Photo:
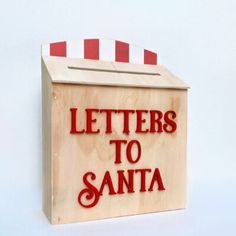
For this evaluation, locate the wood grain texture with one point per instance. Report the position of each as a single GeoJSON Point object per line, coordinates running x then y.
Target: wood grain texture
{"type": "Point", "coordinates": [74, 155]}
{"type": "Point", "coordinates": [58, 68]}
{"type": "Point", "coordinates": [67, 157]}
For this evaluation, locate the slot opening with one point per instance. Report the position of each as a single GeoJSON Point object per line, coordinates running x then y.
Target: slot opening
{"type": "Point", "coordinates": [113, 71]}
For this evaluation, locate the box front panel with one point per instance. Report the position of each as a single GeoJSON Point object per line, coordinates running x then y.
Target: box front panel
{"type": "Point", "coordinates": [117, 151]}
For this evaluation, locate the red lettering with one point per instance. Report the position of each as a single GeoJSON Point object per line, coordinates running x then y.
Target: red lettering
{"type": "Point", "coordinates": [156, 120]}
{"type": "Point", "coordinates": [118, 149]}
{"type": "Point", "coordinates": [128, 151]}
{"type": "Point", "coordinates": [156, 178]}
{"type": "Point", "coordinates": [108, 119]}
{"type": "Point", "coordinates": [143, 178]}
{"type": "Point", "coordinates": [170, 122]}
{"type": "Point", "coordinates": [91, 120]}
{"type": "Point", "coordinates": [107, 181]}
{"type": "Point", "coordinates": [140, 121]}
{"type": "Point", "coordinates": [73, 129]}
{"type": "Point", "coordinates": [89, 192]}
{"type": "Point", "coordinates": [126, 120]}
{"type": "Point", "coordinates": [122, 180]}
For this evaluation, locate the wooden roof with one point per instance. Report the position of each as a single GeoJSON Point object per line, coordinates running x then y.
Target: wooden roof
{"type": "Point", "coordinates": [96, 72]}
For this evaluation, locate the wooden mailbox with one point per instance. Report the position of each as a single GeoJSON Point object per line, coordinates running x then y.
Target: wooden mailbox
{"type": "Point", "coordinates": [114, 133]}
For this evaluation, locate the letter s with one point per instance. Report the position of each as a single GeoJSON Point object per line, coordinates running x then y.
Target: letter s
{"type": "Point", "coordinates": [170, 122]}
{"type": "Point", "coordinates": [89, 192]}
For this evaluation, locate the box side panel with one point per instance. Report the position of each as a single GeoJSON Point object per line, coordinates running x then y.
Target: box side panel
{"type": "Point", "coordinates": [76, 154]}
{"type": "Point", "coordinates": [46, 141]}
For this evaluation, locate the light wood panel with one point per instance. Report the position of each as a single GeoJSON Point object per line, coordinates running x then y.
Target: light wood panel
{"type": "Point", "coordinates": [46, 141]}
{"type": "Point", "coordinates": [67, 157]}
{"type": "Point", "coordinates": [59, 69]}
{"type": "Point", "coordinates": [74, 155]}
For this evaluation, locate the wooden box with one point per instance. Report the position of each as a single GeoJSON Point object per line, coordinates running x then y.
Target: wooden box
{"type": "Point", "coordinates": [114, 139]}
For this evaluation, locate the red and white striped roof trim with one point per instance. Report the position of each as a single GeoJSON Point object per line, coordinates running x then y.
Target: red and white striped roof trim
{"type": "Point", "coordinates": [100, 49]}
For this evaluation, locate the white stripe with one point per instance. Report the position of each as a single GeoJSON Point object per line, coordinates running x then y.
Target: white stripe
{"type": "Point", "coordinates": [45, 51]}
{"type": "Point", "coordinates": [136, 55]}
{"type": "Point", "coordinates": [106, 50]}
{"type": "Point", "coordinates": [75, 49]}
{"type": "Point", "coordinates": [158, 59]}
{"type": "Point", "coordinates": [72, 49]}
{"type": "Point", "coordinates": [81, 48]}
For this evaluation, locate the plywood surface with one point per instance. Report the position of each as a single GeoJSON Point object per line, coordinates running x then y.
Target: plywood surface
{"type": "Point", "coordinates": [78, 71]}
{"type": "Point", "coordinates": [46, 141]}
{"type": "Point", "coordinates": [74, 155]}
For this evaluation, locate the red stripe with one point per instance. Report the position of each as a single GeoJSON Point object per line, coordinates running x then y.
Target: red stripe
{"type": "Point", "coordinates": [150, 57]}
{"type": "Point", "coordinates": [58, 49]}
{"type": "Point", "coordinates": [122, 51]}
{"type": "Point", "coordinates": [91, 49]}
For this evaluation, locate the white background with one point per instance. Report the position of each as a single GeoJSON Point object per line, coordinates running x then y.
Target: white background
{"type": "Point", "coordinates": [195, 39]}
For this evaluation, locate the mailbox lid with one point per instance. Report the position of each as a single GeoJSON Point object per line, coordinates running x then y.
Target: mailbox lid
{"type": "Point", "coordinates": [94, 72]}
